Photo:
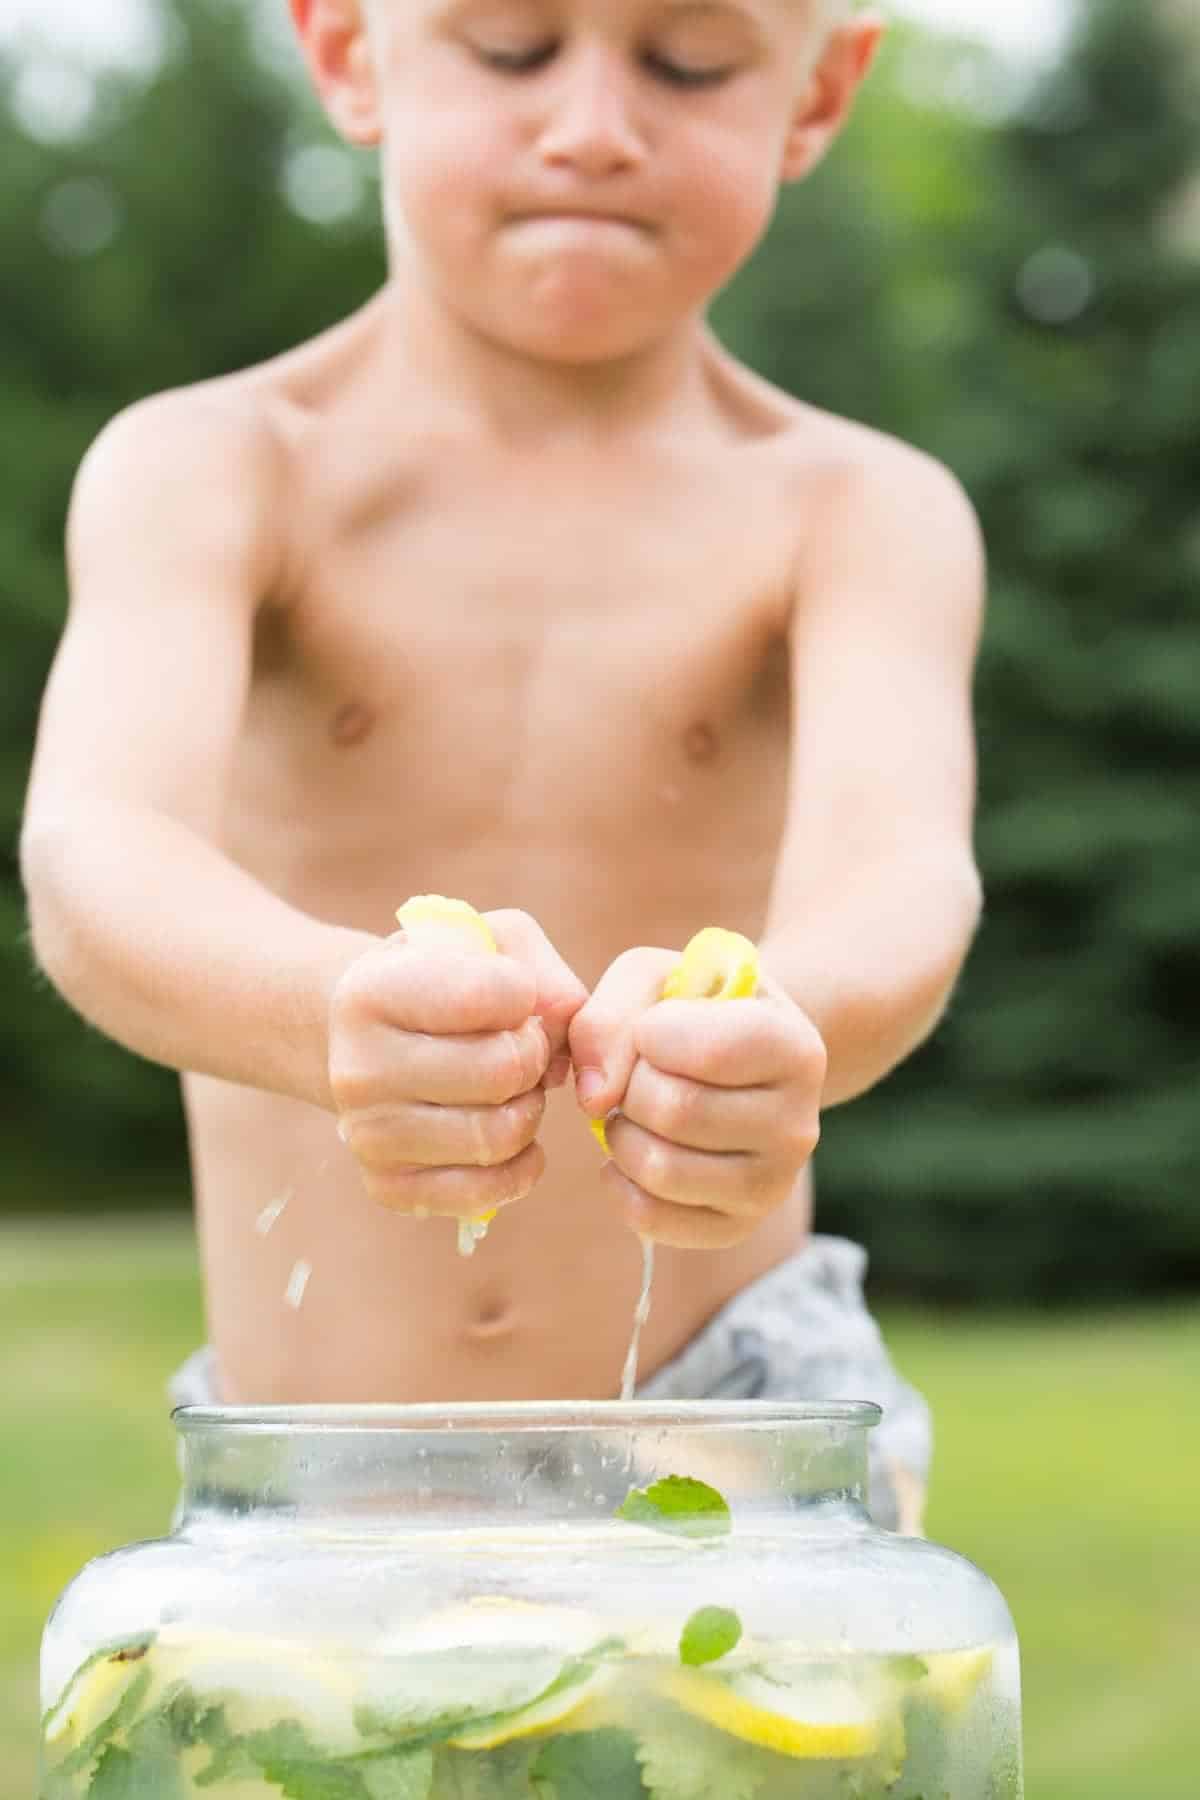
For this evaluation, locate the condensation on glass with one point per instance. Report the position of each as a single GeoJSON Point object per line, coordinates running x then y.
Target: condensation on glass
{"type": "Point", "coordinates": [418, 1603]}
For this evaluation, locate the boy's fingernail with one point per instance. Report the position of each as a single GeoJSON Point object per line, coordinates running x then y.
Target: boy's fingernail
{"type": "Point", "coordinates": [589, 1083]}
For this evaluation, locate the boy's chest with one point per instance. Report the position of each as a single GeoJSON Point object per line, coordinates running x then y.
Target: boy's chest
{"type": "Point", "coordinates": [518, 662]}
{"type": "Point", "coordinates": [479, 602]}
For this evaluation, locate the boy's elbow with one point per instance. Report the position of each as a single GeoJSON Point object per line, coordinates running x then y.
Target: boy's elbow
{"type": "Point", "coordinates": [45, 858]}
{"type": "Point", "coordinates": [953, 895]}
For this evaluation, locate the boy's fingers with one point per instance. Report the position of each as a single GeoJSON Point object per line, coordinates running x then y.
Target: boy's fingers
{"type": "Point", "coordinates": [560, 993]}
{"type": "Point", "coordinates": [679, 1227]}
{"type": "Point", "coordinates": [603, 1047]}
{"type": "Point", "coordinates": [373, 1067]}
{"type": "Point", "coordinates": [738, 1043]}
{"type": "Point", "coordinates": [437, 988]}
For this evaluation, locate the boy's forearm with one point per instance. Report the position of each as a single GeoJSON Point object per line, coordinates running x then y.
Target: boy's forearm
{"type": "Point", "coordinates": [168, 947]}
{"type": "Point", "coordinates": [874, 963]}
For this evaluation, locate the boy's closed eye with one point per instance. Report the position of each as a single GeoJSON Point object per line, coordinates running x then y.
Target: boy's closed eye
{"type": "Point", "coordinates": [527, 60]}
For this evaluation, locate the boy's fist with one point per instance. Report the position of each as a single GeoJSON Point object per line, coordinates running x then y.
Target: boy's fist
{"type": "Point", "coordinates": [440, 1054]}
{"type": "Point", "coordinates": [719, 1102]}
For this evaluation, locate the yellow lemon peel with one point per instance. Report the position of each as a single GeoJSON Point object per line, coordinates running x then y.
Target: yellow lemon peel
{"type": "Point", "coordinates": [436, 909]}
{"type": "Point", "coordinates": [827, 1724]}
{"type": "Point", "coordinates": [954, 1676]}
{"type": "Point", "coordinates": [716, 965]}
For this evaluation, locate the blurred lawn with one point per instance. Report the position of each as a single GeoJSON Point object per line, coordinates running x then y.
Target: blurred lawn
{"type": "Point", "coordinates": [1068, 1466]}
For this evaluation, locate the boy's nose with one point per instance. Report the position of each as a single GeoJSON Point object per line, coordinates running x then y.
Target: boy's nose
{"type": "Point", "coordinates": [590, 125]}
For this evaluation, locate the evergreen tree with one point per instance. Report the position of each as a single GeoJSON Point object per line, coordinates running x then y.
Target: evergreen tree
{"type": "Point", "coordinates": [1047, 1141]}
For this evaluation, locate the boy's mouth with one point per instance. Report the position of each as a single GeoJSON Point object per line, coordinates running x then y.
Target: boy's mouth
{"type": "Point", "coordinates": [581, 216]}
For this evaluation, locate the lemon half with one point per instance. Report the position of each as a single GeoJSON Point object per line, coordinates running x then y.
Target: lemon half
{"type": "Point", "coordinates": [716, 965]}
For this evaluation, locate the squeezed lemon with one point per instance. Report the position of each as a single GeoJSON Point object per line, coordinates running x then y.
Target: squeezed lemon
{"type": "Point", "coordinates": [715, 965]}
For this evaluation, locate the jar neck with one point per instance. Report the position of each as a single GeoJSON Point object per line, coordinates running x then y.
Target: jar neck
{"type": "Point", "coordinates": [459, 1467]}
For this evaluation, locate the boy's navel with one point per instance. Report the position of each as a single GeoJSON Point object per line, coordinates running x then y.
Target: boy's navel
{"type": "Point", "coordinates": [351, 724]}
{"type": "Point", "coordinates": [491, 1315]}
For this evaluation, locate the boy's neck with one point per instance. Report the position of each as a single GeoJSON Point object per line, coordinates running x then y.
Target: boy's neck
{"type": "Point", "coordinates": [533, 402]}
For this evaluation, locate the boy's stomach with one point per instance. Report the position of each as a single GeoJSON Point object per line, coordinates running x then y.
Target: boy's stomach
{"type": "Point", "coordinates": [316, 1294]}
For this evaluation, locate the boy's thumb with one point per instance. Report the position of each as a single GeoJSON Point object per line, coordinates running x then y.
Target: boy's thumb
{"type": "Point", "coordinates": [603, 1049]}
{"type": "Point", "coordinates": [560, 993]}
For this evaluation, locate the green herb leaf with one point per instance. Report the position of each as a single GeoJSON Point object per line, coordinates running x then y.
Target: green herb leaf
{"type": "Point", "coordinates": [483, 1774]}
{"type": "Point", "coordinates": [683, 1759]}
{"type": "Point", "coordinates": [681, 1505]}
{"type": "Point", "coordinates": [406, 1776]}
{"type": "Point", "coordinates": [127, 1775]}
{"type": "Point", "coordinates": [101, 1738]}
{"type": "Point", "coordinates": [588, 1765]}
{"type": "Point", "coordinates": [710, 1633]}
{"type": "Point", "coordinates": [908, 1668]}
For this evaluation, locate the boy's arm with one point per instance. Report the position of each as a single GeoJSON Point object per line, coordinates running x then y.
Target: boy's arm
{"type": "Point", "coordinates": [876, 895]}
{"type": "Point", "coordinates": [144, 925]}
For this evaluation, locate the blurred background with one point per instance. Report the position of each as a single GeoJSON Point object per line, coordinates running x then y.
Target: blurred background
{"type": "Point", "coordinates": [1001, 263]}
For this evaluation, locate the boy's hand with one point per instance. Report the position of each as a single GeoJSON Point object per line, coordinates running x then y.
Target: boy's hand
{"type": "Point", "coordinates": [440, 1054]}
{"type": "Point", "coordinates": [719, 1103]}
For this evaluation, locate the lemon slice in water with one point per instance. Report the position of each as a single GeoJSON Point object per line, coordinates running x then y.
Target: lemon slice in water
{"type": "Point", "coordinates": [92, 1695]}
{"type": "Point", "coordinates": [954, 1676]}
{"type": "Point", "coordinates": [431, 916]}
{"type": "Point", "coordinates": [825, 1717]}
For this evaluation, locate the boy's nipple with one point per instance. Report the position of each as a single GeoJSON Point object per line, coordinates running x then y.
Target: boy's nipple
{"type": "Point", "coordinates": [351, 724]}
{"type": "Point", "coordinates": [700, 742]}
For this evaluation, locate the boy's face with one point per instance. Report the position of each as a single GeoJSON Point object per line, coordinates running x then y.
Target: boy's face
{"type": "Point", "coordinates": [574, 177]}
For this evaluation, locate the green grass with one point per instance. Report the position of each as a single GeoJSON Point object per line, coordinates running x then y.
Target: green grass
{"type": "Point", "coordinates": [1068, 1467]}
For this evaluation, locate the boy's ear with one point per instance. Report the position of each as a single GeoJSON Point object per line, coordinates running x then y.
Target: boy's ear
{"type": "Point", "coordinates": [337, 49]}
{"type": "Point", "coordinates": [829, 94]}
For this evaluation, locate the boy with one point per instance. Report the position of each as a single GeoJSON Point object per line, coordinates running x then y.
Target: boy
{"type": "Point", "coordinates": [516, 587]}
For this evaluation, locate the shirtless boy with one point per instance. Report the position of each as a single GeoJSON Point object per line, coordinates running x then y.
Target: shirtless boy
{"type": "Point", "coordinates": [516, 587]}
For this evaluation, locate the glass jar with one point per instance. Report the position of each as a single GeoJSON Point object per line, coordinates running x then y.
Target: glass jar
{"type": "Point", "coordinates": [597, 1602]}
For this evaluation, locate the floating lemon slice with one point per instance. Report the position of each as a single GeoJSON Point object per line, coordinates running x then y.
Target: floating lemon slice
{"type": "Point", "coordinates": [576, 1705]}
{"type": "Point", "coordinates": [92, 1695]}
{"type": "Point", "coordinates": [825, 1718]}
{"type": "Point", "coordinates": [715, 965]}
{"type": "Point", "coordinates": [492, 1670]}
{"type": "Point", "coordinates": [954, 1676]}
{"type": "Point", "coordinates": [431, 916]}
{"type": "Point", "coordinates": [261, 1680]}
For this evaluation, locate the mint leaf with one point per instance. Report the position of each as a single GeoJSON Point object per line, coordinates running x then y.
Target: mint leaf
{"type": "Point", "coordinates": [126, 1708]}
{"type": "Point", "coordinates": [121, 1650]}
{"type": "Point", "coordinates": [127, 1775]}
{"type": "Point", "coordinates": [588, 1765]}
{"type": "Point", "coordinates": [683, 1759]}
{"type": "Point", "coordinates": [678, 1504]}
{"type": "Point", "coordinates": [483, 1774]}
{"type": "Point", "coordinates": [405, 1776]}
{"type": "Point", "coordinates": [908, 1668]}
{"type": "Point", "coordinates": [710, 1633]}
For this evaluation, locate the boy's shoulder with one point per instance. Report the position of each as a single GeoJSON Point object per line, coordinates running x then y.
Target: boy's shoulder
{"type": "Point", "coordinates": [192, 464]}
{"type": "Point", "coordinates": [851, 462]}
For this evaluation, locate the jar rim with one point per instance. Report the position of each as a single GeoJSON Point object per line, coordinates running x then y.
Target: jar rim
{"type": "Point", "coordinates": [528, 1416]}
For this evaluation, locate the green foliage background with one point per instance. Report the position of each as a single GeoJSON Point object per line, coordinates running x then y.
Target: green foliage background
{"type": "Point", "coordinates": [1016, 288]}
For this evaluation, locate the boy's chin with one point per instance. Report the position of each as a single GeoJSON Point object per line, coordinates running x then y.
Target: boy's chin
{"type": "Point", "coordinates": [580, 333]}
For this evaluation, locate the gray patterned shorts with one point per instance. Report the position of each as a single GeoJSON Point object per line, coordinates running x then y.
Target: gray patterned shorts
{"type": "Point", "coordinates": [800, 1332]}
